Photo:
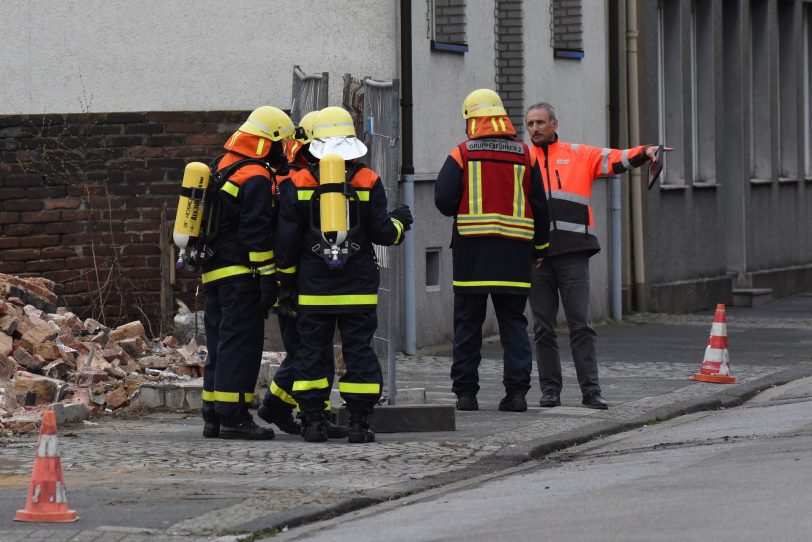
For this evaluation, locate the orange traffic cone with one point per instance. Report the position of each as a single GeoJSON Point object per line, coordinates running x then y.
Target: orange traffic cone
{"type": "Point", "coordinates": [47, 501]}
{"type": "Point", "coordinates": [716, 367]}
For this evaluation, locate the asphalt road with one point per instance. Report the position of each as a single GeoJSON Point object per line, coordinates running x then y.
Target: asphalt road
{"type": "Point", "coordinates": [740, 474]}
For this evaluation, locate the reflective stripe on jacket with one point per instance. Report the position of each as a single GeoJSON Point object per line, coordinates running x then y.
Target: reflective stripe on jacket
{"type": "Point", "coordinates": [353, 288]}
{"type": "Point", "coordinates": [242, 241]}
{"type": "Point", "coordinates": [568, 171]}
{"type": "Point", "coordinates": [492, 186]}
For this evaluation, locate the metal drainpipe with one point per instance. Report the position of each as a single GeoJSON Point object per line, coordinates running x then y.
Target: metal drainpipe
{"type": "Point", "coordinates": [407, 175]}
{"type": "Point", "coordinates": [638, 244]}
{"type": "Point", "coordinates": [617, 286]}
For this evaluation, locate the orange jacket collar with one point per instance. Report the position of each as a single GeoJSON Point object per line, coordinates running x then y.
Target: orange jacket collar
{"type": "Point", "coordinates": [489, 126]}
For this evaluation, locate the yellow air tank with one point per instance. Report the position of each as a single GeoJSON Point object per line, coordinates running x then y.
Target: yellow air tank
{"type": "Point", "coordinates": [190, 207]}
{"type": "Point", "coordinates": [333, 205]}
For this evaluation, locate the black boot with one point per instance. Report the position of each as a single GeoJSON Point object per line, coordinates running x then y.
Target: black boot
{"type": "Point", "coordinates": [334, 430]}
{"type": "Point", "coordinates": [247, 430]}
{"type": "Point", "coordinates": [513, 402]}
{"type": "Point", "coordinates": [314, 427]}
{"type": "Point", "coordinates": [211, 426]}
{"type": "Point", "coordinates": [359, 428]}
{"type": "Point", "coordinates": [280, 417]}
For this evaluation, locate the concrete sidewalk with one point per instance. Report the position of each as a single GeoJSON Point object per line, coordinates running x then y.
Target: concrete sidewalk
{"type": "Point", "coordinates": [156, 478]}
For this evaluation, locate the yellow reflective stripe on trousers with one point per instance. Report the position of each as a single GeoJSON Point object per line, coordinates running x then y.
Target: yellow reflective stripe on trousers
{"type": "Point", "coordinates": [474, 187]}
{"type": "Point", "coordinates": [349, 299]}
{"type": "Point", "coordinates": [542, 247]}
{"type": "Point", "coordinates": [353, 387]}
{"type": "Point", "coordinates": [505, 283]}
{"type": "Point", "coordinates": [518, 190]}
{"type": "Point", "coordinates": [283, 395]}
{"type": "Point", "coordinates": [207, 395]}
{"type": "Point", "coordinates": [287, 270]}
{"type": "Point", "coordinates": [223, 272]}
{"type": "Point", "coordinates": [304, 385]}
{"type": "Point", "coordinates": [231, 396]}
{"type": "Point", "coordinates": [259, 257]}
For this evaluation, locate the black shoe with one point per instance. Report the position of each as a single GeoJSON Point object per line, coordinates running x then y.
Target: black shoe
{"type": "Point", "coordinates": [280, 417]}
{"type": "Point", "coordinates": [314, 427]}
{"type": "Point", "coordinates": [593, 399]}
{"type": "Point", "coordinates": [513, 403]}
{"type": "Point", "coordinates": [336, 431]}
{"type": "Point", "coordinates": [549, 399]}
{"type": "Point", "coordinates": [211, 429]}
{"type": "Point", "coordinates": [467, 401]}
{"type": "Point", "coordinates": [358, 431]}
{"type": "Point", "coordinates": [247, 430]}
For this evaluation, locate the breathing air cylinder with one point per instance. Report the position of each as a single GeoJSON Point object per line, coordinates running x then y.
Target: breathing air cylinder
{"type": "Point", "coordinates": [333, 209]}
{"type": "Point", "coordinates": [189, 218]}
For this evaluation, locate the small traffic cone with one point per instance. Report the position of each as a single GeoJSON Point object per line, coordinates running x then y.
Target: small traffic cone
{"type": "Point", "coordinates": [47, 501]}
{"type": "Point", "coordinates": [716, 367]}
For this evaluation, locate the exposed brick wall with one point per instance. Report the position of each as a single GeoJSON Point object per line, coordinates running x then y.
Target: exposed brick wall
{"type": "Point", "coordinates": [81, 197]}
{"type": "Point", "coordinates": [509, 45]}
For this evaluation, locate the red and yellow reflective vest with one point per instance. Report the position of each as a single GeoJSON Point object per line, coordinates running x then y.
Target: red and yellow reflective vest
{"type": "Point", "coordinates": [568, 171]}
{"type": "Point", "coordinates": [491, 185]}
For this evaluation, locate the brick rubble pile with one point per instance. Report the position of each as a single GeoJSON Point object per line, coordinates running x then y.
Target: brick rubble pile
{"type": "Point", "coordinates": [49, 355]}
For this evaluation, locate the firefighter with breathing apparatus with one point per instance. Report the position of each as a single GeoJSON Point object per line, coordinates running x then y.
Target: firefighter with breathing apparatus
{"type": "Point", "coordinates": [329, 218]}
{"type": "Point", "coordinates": [233, 245]}
{"type": "Point", "coordinates": [278, 404]}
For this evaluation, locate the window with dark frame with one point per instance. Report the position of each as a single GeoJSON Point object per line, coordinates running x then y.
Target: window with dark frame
{"type": "Point", "coordinates": [566, 32]}
{"type": "Point", "coordinates": [446, 25]}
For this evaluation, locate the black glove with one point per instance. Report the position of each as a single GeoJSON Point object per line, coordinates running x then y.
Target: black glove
{"type": "Point", "coordinates": [402, 214]}
{"type": "Point", "coordinates": [268, 293]}
{"type": "Point", "coordinates": [287, 300]}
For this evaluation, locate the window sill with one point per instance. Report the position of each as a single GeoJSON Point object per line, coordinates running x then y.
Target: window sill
{"type": "Point", "coordinates": [761, 181]}
{"type": "Point", "coordinates": [433, 289]}
{"type": "Point", "coordinates": [459, 48]}
{"type": "Point", "coordinates": [706, 184]}
{"type": "Point", "coordinates": [808, 179]}
{"type": "Point", "coordinates": [785, 180]}
{"type": "Point", "coordinates": [672, 187]}
{"type": "Point", "coordinates": [568, 54]}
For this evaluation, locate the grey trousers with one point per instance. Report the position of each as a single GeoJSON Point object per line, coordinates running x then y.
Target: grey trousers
{"type": "Point", "coordinates": [567, 275]}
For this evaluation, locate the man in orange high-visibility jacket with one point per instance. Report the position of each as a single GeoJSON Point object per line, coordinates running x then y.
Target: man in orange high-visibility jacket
{"type": "Point", "coordinates": [491, 185]}
{"type": "Point", "coordinates": [568, 171]}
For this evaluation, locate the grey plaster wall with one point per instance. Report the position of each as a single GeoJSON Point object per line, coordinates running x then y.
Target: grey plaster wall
{"type": "Point", "coordinates": [164, 55]}
{"type": "Point", "coordinates": [753, 225]}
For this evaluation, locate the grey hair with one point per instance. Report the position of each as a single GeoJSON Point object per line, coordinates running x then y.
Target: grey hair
{"type": "Point", "coordinates": [546, 106]}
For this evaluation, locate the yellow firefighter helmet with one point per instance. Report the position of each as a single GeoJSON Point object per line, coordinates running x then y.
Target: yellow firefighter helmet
{"type": "Point", "coordinates": [333, 122]}
{"type": "Point", "coordinates": [483, 102]}
{"type": "Point", "coordinates": [304, 132]}
{"type": "Point", "coordinates": [269, 122]}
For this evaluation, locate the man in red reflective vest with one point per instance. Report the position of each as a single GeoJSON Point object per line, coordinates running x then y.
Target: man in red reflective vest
{"type": "Point", "coordinates": [491, 185]}
{"type": "Point", "coordinates": [568, 171]}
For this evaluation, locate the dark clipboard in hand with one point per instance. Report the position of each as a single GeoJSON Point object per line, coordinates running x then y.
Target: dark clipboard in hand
{"type": "Point", "coordinates": [655, 167]}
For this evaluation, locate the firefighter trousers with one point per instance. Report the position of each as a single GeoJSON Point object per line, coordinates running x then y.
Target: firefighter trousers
{"type": "Point", "coordinates": [469, 315]}
{"type": "Point", "coordinates": [279, 392]}
{"type": "Point", "coordinates": [235, 329]}
{"type": "Point", "coordinates": [314, 368]}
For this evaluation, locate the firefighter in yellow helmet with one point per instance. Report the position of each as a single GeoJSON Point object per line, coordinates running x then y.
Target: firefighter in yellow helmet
{"type": "Point", "coordinates": [239, 275]}
{"type": "Point", "coordinates": [278, 404]}
{"type": "Point", "coordinates": [491, 185]}
{"type": "Point", "coordinates": [327, 295]}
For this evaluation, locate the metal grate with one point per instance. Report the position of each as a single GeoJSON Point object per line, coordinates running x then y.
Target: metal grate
{"type": "Point", "coordinates": [309, 93]}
